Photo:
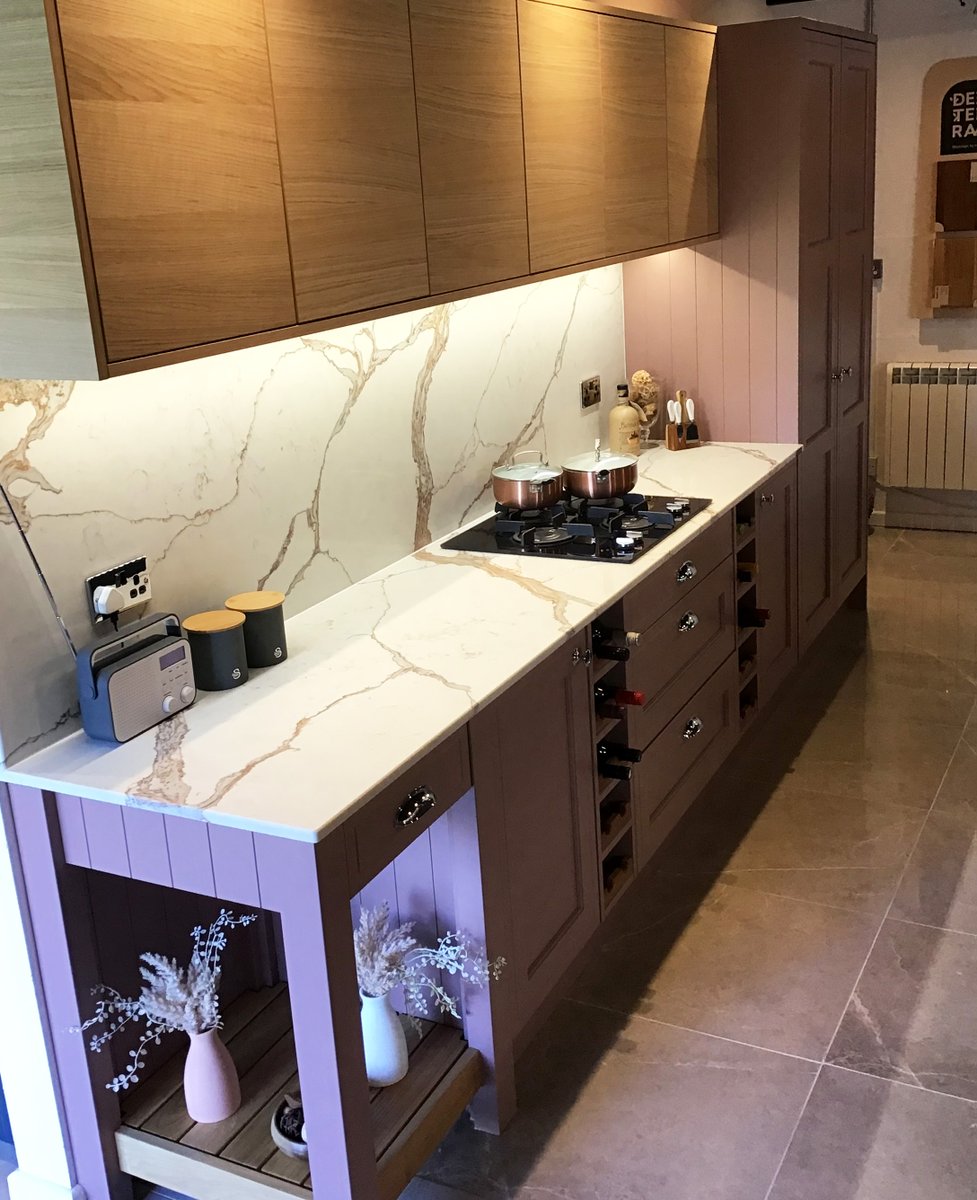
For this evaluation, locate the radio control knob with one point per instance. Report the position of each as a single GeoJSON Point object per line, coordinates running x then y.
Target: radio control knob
{"type": "Point", "coordinates": [187, 693]}
{"type": "Point", "coordinates": [169, 704]}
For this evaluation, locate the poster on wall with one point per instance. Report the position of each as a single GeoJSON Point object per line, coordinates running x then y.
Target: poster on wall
{"type": "Point", "coordinates": [958, 126]}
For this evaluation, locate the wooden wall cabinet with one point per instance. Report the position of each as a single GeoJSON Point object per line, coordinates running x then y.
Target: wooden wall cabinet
{"type": "Point", "coordinates": [343, 83]}
{"type": "Point", "coordinates": [244, 172]}
{"type": "Point", "coordinates": [469, 119]}
{"type": "Point", "coordinates": [641, 170]}
{"type": "Point", "coordinates": [172, 115]}
{"type": "Point", "coordinates": [532, 766]}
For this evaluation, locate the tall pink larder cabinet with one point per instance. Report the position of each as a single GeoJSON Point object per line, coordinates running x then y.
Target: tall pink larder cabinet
{"type": "Point", "coordinates": [802, 94]}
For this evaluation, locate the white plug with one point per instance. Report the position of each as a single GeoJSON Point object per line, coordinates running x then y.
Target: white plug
{"type": "Point", "coordinates": [108, 600]}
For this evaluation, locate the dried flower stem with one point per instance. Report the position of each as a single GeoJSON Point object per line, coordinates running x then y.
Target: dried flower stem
{"type": "Point", "coordinates": [173, 999]}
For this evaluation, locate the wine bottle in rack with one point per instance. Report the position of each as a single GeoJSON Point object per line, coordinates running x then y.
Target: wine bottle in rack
{"type": "Point", "coordinates": [610, 702]}
{"type": "Point", "coordinates": [613, 770]}
{"type": "Point", "coordinates": [608, 750]}
{"type": "Point", "coordinates": [749, 617]}
{"type": "Point", "coordinates": [614, 644]}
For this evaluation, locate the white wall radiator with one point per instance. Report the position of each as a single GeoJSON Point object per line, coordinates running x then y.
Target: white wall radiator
{"type": "Point", "coordinates": [931, 426]}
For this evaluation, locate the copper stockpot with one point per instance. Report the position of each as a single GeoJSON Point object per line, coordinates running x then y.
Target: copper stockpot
{"type": "Point", "coordinates": [527, 485]}
{"type": "Point", "coordinates": [597, 476]}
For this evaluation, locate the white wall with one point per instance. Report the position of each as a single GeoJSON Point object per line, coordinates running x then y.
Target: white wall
{"type": "Point", "coordinates": [301, 466]}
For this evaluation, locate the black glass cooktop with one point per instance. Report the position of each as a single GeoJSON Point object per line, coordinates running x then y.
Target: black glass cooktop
{"type": "Point", "coordinates": [620, 529]}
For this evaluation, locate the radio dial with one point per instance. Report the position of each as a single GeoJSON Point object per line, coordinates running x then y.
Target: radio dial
{"type": "Point", "coordinates": [187, 693]}
{"type": "Point", "coordinates": [169, 704]}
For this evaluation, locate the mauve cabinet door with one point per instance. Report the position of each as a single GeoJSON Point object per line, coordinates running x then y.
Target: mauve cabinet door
{"type": "Point", "coordinates": [532, 765]}
{"type": "Point", "coordinates": [777, 582]}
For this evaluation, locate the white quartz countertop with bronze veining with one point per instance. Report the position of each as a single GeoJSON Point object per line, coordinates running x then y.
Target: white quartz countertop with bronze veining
{"type": "Point", "coordinates": [379, 673]}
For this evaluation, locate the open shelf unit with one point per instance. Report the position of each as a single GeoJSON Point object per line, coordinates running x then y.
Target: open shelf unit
{"type": "Point", "coordinates": [159, 1142]}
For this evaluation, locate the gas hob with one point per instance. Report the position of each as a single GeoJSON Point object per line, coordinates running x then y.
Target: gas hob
{"type": "Point", "coordinates": [619, 529]}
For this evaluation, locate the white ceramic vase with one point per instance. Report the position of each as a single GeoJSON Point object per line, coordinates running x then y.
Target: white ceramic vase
{"type": "Point", "coordinates": [383, 1041]}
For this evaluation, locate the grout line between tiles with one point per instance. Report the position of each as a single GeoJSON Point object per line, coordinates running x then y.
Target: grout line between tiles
{"type": "Point", "coordinates": [935, 928]}
{"type": "Point", "coordinates": [871, 949]}
{"type": "Point", "coordinates": [691, 1029]}
{"type": "Point", "coordinates": [793, 1132]}
{"type": "Point", "coordinates": [913, 1087]}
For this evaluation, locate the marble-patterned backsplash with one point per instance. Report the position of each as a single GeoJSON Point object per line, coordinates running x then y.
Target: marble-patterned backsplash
{"type": "Point", "coordinates": [241, 471]}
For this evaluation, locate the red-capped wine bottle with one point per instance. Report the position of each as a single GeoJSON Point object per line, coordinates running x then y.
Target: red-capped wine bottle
{"type": "Point", "coordinates": [605, 695]}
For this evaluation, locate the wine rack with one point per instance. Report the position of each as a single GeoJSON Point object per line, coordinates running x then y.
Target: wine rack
{"type": "Point", "coordinates": [748, 629]}
{"type": "Point", "coordinates": [615, 797]}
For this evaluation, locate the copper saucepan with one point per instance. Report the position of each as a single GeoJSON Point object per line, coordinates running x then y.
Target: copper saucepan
{"type": "Point", "coordinates": [598, 476]}
{"type": "Point", "coordinates": [527, 485]}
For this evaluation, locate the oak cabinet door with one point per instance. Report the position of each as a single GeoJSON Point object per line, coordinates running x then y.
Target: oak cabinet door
{"type": "Point", "coordinates": [777, 581]}
{"type": "Point", "coordinates": [635, 141]}
{"type": "Point", "coordinates": [343, 86]}
{"type": "Point", "coordinates": [533, 771]}
{"type": "Point", "coordinates": [469, 119]}
{"type": "Point", "coordinates": [693, 134]}
{"type": "Point", "coordinates": [561, 82]}
{"type": "Point", "coordinates": [175, 132]}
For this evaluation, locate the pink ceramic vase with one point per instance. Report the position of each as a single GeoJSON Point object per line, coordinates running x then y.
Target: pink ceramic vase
{"type": "Point", "coordinates": [210, 1084]}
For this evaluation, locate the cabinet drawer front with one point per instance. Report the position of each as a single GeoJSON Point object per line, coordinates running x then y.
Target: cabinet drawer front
{"type": "Point", "coordinates": [681, 650]}
{"type": "Point", "coordinates": [685, 754]}
{"type": "Point", "coordinates": [403, 810]}
{"type": "Point", "coordinates": [678, 575]}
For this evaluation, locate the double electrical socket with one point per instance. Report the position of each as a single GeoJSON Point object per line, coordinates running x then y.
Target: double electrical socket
{"type": "Point", "coordinates": [118, 589]}
{"type": "Point", "coordinates": [590, 392]}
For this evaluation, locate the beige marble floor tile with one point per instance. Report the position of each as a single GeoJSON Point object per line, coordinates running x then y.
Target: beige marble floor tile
{"type": "Point", "coordinates": [867, 1139]}
{"type": "Point", "coordinates": [618, 1108]}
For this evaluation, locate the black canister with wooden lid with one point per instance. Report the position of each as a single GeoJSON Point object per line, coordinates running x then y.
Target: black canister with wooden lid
{"type": "Point", "coordinates": [264, 626]}
{"type": "Point", "coordinates": [220, 660]}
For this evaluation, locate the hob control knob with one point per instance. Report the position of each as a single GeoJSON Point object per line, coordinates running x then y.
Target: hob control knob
{"type": "Point", "coordinates": [187, 693]}
{"type": "Point", "coordinates": [169, 704]}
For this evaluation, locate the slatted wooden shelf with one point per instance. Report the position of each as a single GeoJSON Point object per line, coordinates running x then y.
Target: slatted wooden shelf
{"type": "Point", "coordinates": [159, 1142]}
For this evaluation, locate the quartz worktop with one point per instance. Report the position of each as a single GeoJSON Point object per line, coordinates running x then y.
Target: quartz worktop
{"type": "Point", "coordinates": [379, 673]}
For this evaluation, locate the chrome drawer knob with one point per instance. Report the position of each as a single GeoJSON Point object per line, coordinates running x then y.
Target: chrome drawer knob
{"type": "Point", "coordinates": [418, 804]}
{"type": "Point", "coordinates": [687, 571]}
{"type": "Point", "coordinates": [581, 656]}
{"type": "Point", "coordinates": [692, 729]}
{"type": "Point", "coordinates": [688, 622]}
{"type": "Point", "coordinates": [767, 497]}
